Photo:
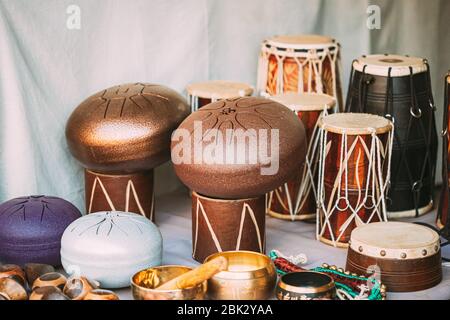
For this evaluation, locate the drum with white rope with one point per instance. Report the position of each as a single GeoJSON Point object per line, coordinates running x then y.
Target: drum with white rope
{"type": "Point", "coordinates": [300, 64]}
{"type": "Point", "coordinates": [202, 93]}
{"type": "Point", "coordinates": [399, 88]}
{"type": "Point", "coordinates": [296, 199]}
{"type": "Point", "coordinates": [354, 168]}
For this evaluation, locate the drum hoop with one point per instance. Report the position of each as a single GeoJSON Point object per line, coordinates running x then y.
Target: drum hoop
{"type": "Point", "coordinates": [203, 90]}
{"type": "Point", "coordinates": [396, 71]}
{"type": "Point", "coordinates": [303, 52]}
{"type": "Point", "coordinates": [421, 251]}
{"type": "Point", "coordinates": [298, 107]}
{"type": "Point", "coordinates": [355, 131]}
{"type": "Point", "coordinates": [274, 43]}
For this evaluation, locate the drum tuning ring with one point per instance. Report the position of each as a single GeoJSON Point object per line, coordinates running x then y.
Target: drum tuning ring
{"type": "Point", "coordinates": [432, 106]}
{"type": "Point", "coordinates": [417, 186]}
{"type": "Point", "coordinates": [416, 113]}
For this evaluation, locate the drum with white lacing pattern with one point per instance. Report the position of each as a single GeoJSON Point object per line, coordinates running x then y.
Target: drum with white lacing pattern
{"type": "Point", "coordinates": [202, 93]}
{"type": "Point", "coordinates": [296, 199]}
{"type": "Point", "coordinates": [300, 63]}
{"type": "Point", "coordinates": [355, 151]}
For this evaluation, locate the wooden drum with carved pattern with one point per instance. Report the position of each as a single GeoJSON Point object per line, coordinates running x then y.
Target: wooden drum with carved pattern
{"type": "Point", "coordinates": [300, 63]}
{"type": "Point", "coordinates": [296, 199]}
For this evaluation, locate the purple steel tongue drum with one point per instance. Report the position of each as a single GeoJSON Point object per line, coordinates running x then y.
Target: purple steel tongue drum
{"type": "Point", "coordinates": [31, 229]}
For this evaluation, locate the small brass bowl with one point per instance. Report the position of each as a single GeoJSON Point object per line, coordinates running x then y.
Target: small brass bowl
{"type": "Point", "coordinates": [250, 276]}
{"type": "Point", "coordinates": [166, 273]}
{"type": "Point", "coordinates": [306, 285]}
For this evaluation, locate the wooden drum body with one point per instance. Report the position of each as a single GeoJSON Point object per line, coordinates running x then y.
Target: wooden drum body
{"type": "Point", "coordinates": [398, 87]}
{"type": "Point", "coordinates": [120, 192]}
{"type": "Point", "coordinates": [203, 93]}
{"type": "Point", "coordinates": [227, 225]}
{"type": "Point", "coordinates": [296, 199]}
{"type": "Point", "coordinates": [443, 209]}
{"type": "Point", "coordinates": [305, 63]}
{"type": "Point", "coordinates": [407, 256]}
{"type": "Point", "coordinates": [353, 174]}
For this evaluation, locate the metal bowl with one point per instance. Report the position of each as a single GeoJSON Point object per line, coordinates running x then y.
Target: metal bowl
{"type": "Point", "coordinates": [305, 285]}
{"type": "Point", "coordinates": [250, 276]}
{"type": "Point", "coordinates": [165, 273]}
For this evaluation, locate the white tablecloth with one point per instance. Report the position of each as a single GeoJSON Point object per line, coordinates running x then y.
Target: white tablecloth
{"type": "Point", "coordinates": [173, 215]}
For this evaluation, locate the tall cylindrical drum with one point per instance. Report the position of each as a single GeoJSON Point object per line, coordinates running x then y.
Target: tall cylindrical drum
{"type": "Point", "coordinates": [443, 209]}
{"type": "Point", "coordinates": [399, 88]}
{"type": "Point", "coordinates": [300, 63]}
{"type": "Point", "coordinates": [355, 151]}
{"type": "Point", "coordinates": [296, 199]}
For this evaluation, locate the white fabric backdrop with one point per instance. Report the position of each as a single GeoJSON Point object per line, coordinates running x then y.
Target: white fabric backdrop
{"type": "Point", "coordinates": [46, 70]}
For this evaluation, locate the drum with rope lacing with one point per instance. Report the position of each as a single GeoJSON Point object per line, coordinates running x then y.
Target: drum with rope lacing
{"type": "Point", "coordinates": [399, 88]}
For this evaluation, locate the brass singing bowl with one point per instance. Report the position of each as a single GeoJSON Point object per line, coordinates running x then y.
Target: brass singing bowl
{"type": "Point", "coordinates": [250, 276]}
{"type": "Point", "coordinates": [165, 273]}
{"type": "Point", "coordinates": [306, 285]}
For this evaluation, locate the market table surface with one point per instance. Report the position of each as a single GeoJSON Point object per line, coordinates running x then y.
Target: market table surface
{"type": "Point", "coordinates": [173, 216]}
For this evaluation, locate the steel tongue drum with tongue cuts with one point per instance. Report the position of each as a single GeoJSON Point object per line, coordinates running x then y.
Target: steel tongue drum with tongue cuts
{"type": "Point", "coordinates": [229, 153]}
{"type": "Point", "coordinates": [119, 135]}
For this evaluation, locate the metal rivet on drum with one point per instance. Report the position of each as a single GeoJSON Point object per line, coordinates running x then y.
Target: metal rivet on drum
{"type": "Point", "coordinates": [424, 252]}
{"type": "Point", "coordinates": [360, 249]}
{"type": "Point", "coordinates": [403, 255]}
{"type": "Point", "coordinates": [382, 253]}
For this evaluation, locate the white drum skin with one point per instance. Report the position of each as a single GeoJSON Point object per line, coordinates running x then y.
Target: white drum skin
{"type": "Point", "coordinates": [406, 256]}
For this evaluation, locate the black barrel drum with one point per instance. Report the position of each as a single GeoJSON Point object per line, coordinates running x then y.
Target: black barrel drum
{"type": "Point", "coordinates": [399, 88]}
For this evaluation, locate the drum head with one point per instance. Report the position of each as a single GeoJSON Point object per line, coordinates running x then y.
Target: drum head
{"type": "Point", "coordinates": [395, 240]}
{"type": "Point", "coordinates": [305, 101]}
{"type": "Point", "coordinates": [379, 64]}
{"type": "Point", "coordinates": [219, 89]}
{"type": "Point", "coordinates": [355, 123]}
{"type": "Point", "coordinates": [307, 41]}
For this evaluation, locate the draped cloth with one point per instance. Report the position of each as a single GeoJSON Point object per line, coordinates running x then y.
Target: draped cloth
{"type": "Point", "coordinates": [47, 69]}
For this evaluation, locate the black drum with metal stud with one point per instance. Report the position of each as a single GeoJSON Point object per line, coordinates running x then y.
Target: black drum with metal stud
{"type": "Point", "coordinates": [399, 88]}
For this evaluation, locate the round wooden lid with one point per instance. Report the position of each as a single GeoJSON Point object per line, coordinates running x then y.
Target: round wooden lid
{"type": "Point", "coordinates": [219, 89]}
{"type": "Point", "coordinates": [305, 41]}
{"type": "Point", "coordinates": [395, 240]}
{"type": "Point", "coordinates": [379, 64]}
{"type": "Point", "coordinates": [305, 101]}
{"type": "Point", "coordinates": [355, 123]}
